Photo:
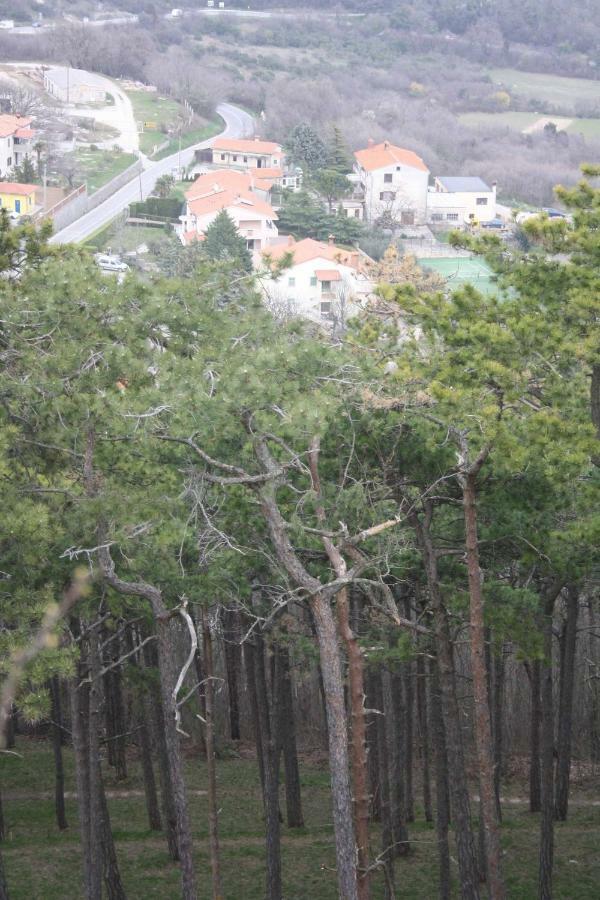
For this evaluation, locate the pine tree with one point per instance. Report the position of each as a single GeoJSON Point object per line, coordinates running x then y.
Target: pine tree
{"type": "Point", "coordinates": [338, 155]}
{"type": "Point", "coordinates": [305, 148]}
{"type": "Point", "coordinates": [222, 241]}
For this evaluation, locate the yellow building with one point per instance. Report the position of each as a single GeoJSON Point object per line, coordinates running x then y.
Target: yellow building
{"type": "Point", "coordinates": [18, 198]}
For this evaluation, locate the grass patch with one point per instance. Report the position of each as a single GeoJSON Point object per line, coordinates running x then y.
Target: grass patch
{"type": "Point", "coordinates": [44, 864]}
{"type": "Point", "coordinates": [189, 138]}
{"type": "Point", "coordinates": [518, 121]}
{"type": "Point", "coordinates": [98, 167]}
{"type": "Point", "coordinates": [563, 93]}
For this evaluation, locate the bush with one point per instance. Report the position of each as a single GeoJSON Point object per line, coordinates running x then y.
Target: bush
{"type": "Point", "coordinates": [167, 208]}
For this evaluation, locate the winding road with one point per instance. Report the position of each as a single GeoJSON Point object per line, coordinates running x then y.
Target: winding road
{"type": "Point", "coordinates": [238, 124]}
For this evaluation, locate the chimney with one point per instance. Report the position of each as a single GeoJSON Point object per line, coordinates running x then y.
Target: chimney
{"type": "Point", "coordinates": [331, 239]}
{"type": "Point", "coordinates": [386, 144]}
{"type": "Point", "coordinates": [290, 240]}
{"type": "Point", "coordinates": [371, 142]}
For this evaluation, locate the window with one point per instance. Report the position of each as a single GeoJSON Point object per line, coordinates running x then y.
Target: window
{"type": "Point", "coordinates": [482, 201]}
{"type": "Point", "coordinates": [235, 158]}
{"type": "Point", "coordinates": [325, 286]}
{"type": "Point", "coordinates": [436, 217]}
{"type": "Point", "coordinates": [387, 195]}
{"type": "Point", "coordinates": [452, 217]}
{"type": "Point", "coordinates": [245, 159]}
{"type": "Point", "coordinates": [326, 309]}
{"type": "Point", "coordinates": [388, 177]}
{"type": "Point", "coordinates": [357, 213]}
{"type": "Point", "coordinates": [313, 281]}
{"type": "Point", "coordinates": [398, 169]}
{"type": "Point", "coordinates": [291, 282]}
{"type": "Point", "coordinates": [222, 156]}
{"type": "Point", "coordinates": [9, 161]}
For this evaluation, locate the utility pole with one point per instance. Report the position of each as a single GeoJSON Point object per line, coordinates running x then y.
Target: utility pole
{"type": "Point", "coordinates": [45, 183]}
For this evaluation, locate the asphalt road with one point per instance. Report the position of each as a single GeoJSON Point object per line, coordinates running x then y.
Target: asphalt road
{"type": "Point", "coordinates": [237, 124]}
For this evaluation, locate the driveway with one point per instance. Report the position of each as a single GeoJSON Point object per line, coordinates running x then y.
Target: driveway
{"type": "Point", "coordinates": [119, 115]}
{"type": "Point", "coordinates": [238, 124]}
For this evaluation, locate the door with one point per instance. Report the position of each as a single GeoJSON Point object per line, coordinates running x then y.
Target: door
{"type": "Point", "coordinates": [407, 217]}
{"type": "Point", "coordinates": [17, 206]}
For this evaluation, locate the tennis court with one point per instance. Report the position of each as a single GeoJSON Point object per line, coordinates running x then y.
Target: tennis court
{"type": "Point", "coordinates": [460, 270]}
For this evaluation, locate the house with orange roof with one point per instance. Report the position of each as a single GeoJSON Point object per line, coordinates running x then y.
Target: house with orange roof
{"type": "Point", "coordinates": [237, 194]}
{"type": "Point", "coordinates": [16, 141]}
{"type": "Point", "coordinates": [315, 279]}
{"type": "Point", "coordinates": [393, 183]}
{"type": "Point", "coordinates": [264, 159]}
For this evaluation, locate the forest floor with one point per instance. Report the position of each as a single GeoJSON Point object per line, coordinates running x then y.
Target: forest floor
{"type": "Point", "coordinates": [44, 864]}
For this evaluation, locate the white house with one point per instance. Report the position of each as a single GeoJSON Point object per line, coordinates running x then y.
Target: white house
{"type": "Point", "coordinates": [16, 141]}
{"type": "Point", "coordinates": [393, 182]}
{"type": "Point", "coordinates": [322, 282]}
{"type": "Point", "coordinates": [233, 192]}
{"type": "Point", "coordinates": [247, 153]}
{"type": "Point", "coordinates": [461, 200]}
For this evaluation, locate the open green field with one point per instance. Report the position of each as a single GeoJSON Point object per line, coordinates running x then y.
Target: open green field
{"type": "Point", "coordinates": [162, 111]}
{"type": "Point", "coordinates": [97, 167]}
{"type": "Point", "coordinates": [563, 93]}
{"type": "Point", "coordinates": [194, 136]}
{"type": "Point", "coordinates": [43, 863]}
{"type": "Point", "coordinates": [519, 121]}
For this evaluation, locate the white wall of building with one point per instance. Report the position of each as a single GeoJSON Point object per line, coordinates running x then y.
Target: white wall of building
{"type": "Point", "coordinates": [257, 229]}
{"type": "Point", "coordinates": [461, 206]}
{"type": "Point", "coordinates": [397, 188]}
{"type": "Point", "coordinates": [299, 290]}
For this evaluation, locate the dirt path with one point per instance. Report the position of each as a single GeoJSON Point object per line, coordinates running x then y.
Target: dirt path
{"type": "Point", "coordinates": [561, 124]}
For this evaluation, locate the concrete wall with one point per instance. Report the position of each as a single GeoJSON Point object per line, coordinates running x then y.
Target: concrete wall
{"type": "Point", "coordinates": [111, 187]}
{"type": "Point", "coordinates": [67, 210]}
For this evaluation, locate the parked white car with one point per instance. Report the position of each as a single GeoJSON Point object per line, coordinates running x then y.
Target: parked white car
{"type": "Point", "coordinates": [111, 263]}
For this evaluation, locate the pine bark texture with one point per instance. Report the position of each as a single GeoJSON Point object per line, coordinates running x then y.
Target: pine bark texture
{"type": "Point", "coordinates": [565, 710]}
{"type": "Point", "coordinates": [211, 763]}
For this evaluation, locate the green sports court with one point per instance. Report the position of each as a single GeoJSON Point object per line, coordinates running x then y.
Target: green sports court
{"type": "Point", "coordinates": [460, 270]}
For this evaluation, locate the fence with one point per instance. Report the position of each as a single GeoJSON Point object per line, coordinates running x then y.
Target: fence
{"type": "Point", "coordinates": [108, 189]}
{"type": "Point", "coordinates": [67, 210]}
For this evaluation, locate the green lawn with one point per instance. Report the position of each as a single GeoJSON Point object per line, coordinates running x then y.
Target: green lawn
{"type": "Point", "coordinates": [97, 167]}
{"type": "Point", "coordinates": [561, 92]}
{"type": "Point", "coordinates": [519, 121]}
{"type": "Point", "coordinates": [192, 137]}
{"type": "Point", "coordinates": [43, 864]}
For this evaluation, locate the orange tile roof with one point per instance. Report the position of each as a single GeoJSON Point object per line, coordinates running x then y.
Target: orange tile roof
{"type": "Point", "coordinates": [380, 156]}
{"type": "Point", "coordinates": [9, 124]}
{"type": "Point", "coordinates": [328, 275]}
{"type": "Point", "coordinates": [190, 236]}
{"type": "Point", "coordinates": [268, 173]}
{"type": "Point", "coordinates": [14, 187]}
{"type": "Point", "coordinates": [222, 178]}
{"type": "Point", "coordinates": [251, 145]}
{"type": "Point", "coordinates": [24, 133]}
{"type": "Point", "coordinates": [224, 198]}
{"type": "Point", "coordinates": [307, 249]}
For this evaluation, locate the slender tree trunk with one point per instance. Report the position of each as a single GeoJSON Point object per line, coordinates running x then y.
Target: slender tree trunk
{"type": "Point", "coordinates": [358, 742]}
{"type": "Point", "coordinates": [499, 667]}
{"type": "Point", "coordinates": [409, 705]}
{"type": "Point", "coordinates": [2, 825]}
{"type": "Point", "coordinates": [213, 808]}
{"type": "Point", "coordinates": [483, 725]}
{"type": "Point", "coordinates": [286, 729]}
{"type": "Point", "coordinates": [249, 662]}
{"type": "Point", "coordinates": [95, 776]}
{"type": "Point", "coordinates": [442, 797]}
{"type": "Point", "coordinates": [423, 724]}
{"type": "Point", "coordinates": [266, 725]}
{"type": "Point", "coordinates": [393, 710]}
{"type": "Point", "coordinates": [593, 687]}
{"type": "Point", "coordinates": [80, 732]}
{"type": "Point", "coordinates": [565, 713]}
{"type": "Point", "coordinates": [459, 788]}
{"type": "Point", "coordinates": [372, 751]}
{"type": "Point", "coordinates": [150, 794]}
{"type": "Point", "coordinates": [547, 761]}
{"type": "Point", "coordinates": [534, 671]}
{"type": "Point", "coordinates": [4, 895]}
{"type": "Point", "coordinates": [165, 647]}
{"type": "Point", "coordinates": [338, 747]}
{"type": "Point", "coordinates": [387, 831]}
{"type": "Point", "coordinates": [59, 772]}
{"type": "Point", "coordinates": [233, 667]}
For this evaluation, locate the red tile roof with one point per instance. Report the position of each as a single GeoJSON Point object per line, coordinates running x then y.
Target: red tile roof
{"type": "Point", "coordinates": [24, 133]}
{"type": "Point", "coordinates": [307, 249]}
{"type": "Point", "coordinates": [252, 145]}
{"type": "Point", "coordinates": [14, 187]}
{"type": "Point", "coordinates": [220, 198]}
{"type": "Point", "coordinates": [328, 275]}
{"type": "Point", "coordinates": [380, 156]}
{"type": "Point", "coordinates": [10, 124]}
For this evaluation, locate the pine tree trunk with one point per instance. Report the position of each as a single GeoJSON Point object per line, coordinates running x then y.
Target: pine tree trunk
{"type": "Point", "coordinates": [483, 725]}
{"type": "Point", "coordinates": [547, 762]}
{"type": "Point", "coordinates": [337, 730]}
{"type": "Point", "coordinates": [95, 777]}
{"type": "Point", "coordinates": [387, 831]}
{"type": "Point", "coordinates": [535, 802]}
{"type": "Point", "coordinates": [287, 736]}
{"type": "Point", "coordinates": [213, 808]}
{"type": "Point", "coordinates": [4, 895]}
{"type": "Point", "coordinates": [150, 794]}
{"type": "Point", "coordinates": [2, 825]}
{"type": "Point", "coordinates": [499, 668]}
{"type": "Point", "coordinates": [459, 787]}
{"type": "Point", "coordinates": [233, 667]}
{"type": "Point", "coordinates": [59, 772]}
{"type": "Point", "coordinates": [408, 748]}
{"type": "Point", "coordinates": [165, 646]}
{"type": "Point", "coordinates": [422, 719]}
{"type": "Point", "coordinates": [249, 663]}
{"type": "Point", "coordinates": [442, 796]}
{"type": "Point", "coordinates": [372, 751]}
{"type": "Point", "coordinates": [565, 711]}
{"type": "Point", "coordinates": [357, 742]}
{"type": "Point", "coordinates": [80, 733]}
{"type": "Point", "coordinates": [266, 725]}
{"type": "Point", "coordinates": [394, 718]}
